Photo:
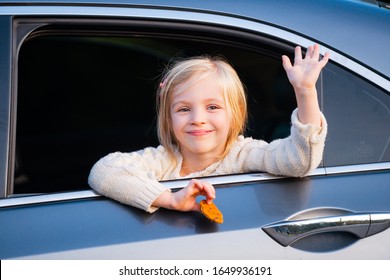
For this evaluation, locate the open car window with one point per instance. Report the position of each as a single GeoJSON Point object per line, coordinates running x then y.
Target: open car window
{"type": "Point", "coordinates": [86, 92]}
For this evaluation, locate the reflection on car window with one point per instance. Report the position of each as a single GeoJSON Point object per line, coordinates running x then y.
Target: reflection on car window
{"type": "Point", "coordinates": [358, 115]}
{"type": "Point", "coordinates": [82, 97]}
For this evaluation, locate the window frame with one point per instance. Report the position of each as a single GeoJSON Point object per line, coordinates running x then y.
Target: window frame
{"type": "Point", "coordinates": [7, 105]}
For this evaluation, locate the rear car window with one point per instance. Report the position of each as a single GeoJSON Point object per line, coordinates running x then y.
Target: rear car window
{"type": "Point", "coordinates": [358, 114]}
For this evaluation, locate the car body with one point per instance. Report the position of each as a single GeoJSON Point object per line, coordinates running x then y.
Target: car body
{"type": "Point", "coordinates": [78, 81]}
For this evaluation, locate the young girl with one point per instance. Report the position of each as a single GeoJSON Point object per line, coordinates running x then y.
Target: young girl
{"type": "Point", "coordinates": [202, 113]}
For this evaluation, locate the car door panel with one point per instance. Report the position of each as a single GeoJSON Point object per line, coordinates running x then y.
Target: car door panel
{"type": "Point", "coordinates": [99, 222]}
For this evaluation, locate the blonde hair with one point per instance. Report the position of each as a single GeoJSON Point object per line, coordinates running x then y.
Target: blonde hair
{"type": "Point", "coordinates": [190, 71]}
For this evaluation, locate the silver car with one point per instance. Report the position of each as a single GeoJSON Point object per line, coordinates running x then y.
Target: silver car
{"type": "Point", "coordinates": [78, 80]}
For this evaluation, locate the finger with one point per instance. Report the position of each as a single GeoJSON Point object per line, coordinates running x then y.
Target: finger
{"type": "Point", "coordinates": [286, 63]}
{"type": "Point", "coordinates": [324, 60]}
{"type": "Point", "coordinates": [194, 182]}
{"type": "Point", "coordinates": [194, 187]}
{"type": "Point", "coordinates": [309, 52]}
{"type": "Point", "coordinates": [298, 54]}
{"type": "Point", "coordinates": [206, 189]}
{"type": "Point", "coordinates": [209, 191]}
{"type": "Point", "coordinates": [196, 207]}
{"type": "Point", "coordinates": [197, 184]}
{"type": "Point", "coordinates": [316, 51]}
{"type": "Point", "coordinates": [198, 187]}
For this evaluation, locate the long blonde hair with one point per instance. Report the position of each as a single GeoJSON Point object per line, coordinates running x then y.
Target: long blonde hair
{"type": "Point", "coordinates": [191, 71]}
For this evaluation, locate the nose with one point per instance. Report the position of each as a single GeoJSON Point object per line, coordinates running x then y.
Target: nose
{"type": "Point", "coordinates": [198, 117]}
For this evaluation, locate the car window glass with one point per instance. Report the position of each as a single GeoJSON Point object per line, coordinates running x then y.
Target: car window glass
{"type": "Point", "coordinates": [82, 97]}
{"type": "Point", "coordinates": [358, 115]}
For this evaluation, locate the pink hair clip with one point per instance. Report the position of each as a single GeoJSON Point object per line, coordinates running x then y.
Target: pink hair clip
{"type": "Point", "coordinates": [162, 85]}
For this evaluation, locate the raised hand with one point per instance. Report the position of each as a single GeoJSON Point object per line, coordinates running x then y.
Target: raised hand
{"type": "Point", "coordinates": [303, 76]}
{"type": "Point", "coordinates": [305, 71]}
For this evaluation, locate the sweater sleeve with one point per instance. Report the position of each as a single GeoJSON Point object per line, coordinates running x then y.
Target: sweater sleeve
{"type": "Point", "coordinates": [130, 178]}
{"type": "Point", "coordinates": [295, 156]}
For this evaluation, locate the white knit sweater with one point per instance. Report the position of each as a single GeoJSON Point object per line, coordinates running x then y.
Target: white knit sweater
{"type": "Point", "coordinates": [133, 178]}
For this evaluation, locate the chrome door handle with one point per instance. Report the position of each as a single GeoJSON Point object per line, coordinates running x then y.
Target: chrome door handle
{"type": "Point", "coordinates": [360, 224]}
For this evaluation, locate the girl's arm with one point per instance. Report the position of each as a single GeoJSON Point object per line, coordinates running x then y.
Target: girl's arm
{"type": "Point", "coordinates": [303, 76]}
{"type": "Point", "coordinates": [132, 178]}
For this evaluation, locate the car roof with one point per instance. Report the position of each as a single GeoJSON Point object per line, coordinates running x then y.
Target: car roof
{"type": "Point", "coordinates": [357, 29]}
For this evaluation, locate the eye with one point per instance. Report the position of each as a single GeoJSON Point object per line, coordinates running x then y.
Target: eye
{"type": "Point", "coordinates": [183, 109]}
{"type": "Point", "coordinates": [213, 107]}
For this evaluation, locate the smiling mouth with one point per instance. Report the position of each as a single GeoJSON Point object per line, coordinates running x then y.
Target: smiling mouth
{"type": "Point", "coordinates": [199, 132]}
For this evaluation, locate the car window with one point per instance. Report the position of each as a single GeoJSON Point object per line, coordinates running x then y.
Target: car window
{"type": "Point", "coordinates": [82, 95]}
{"type": "Point", "coordinates": [358, 115]}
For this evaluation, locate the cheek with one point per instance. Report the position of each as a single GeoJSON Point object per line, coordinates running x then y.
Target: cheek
{"type": "Point", "coordinates": [176, 126]}
{"type": "Point", "coordinates": [229, 126]}
{"type": "Point", "coordinates": [174, 122]}
{"type": "Point", "coordinates": [223, 123]}
{"type": "Point", "coordinates": [227, 121]}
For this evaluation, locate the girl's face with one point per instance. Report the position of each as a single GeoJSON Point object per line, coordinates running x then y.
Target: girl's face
{"type": "Point", "coordinates": [200, 119]}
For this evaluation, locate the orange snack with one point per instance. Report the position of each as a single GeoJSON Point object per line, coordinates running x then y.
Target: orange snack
{"type": "Point", "coordinates": [211, 212]}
